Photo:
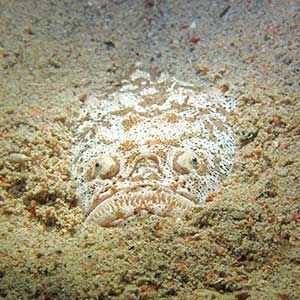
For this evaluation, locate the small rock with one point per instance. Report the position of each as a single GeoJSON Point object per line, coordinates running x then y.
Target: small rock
{"type": "Point", "coordinates": [242, 296]}
{"type": "Point", "coordinates": [109, 45]}
{"type": "Point", "coordinates": [3, 53]}
{"type": "Point", "coordinates": [201, 69]}
{"type": "Point", "coordinates": [60, 118]}
{"type": "Point", "coordinates": [238, 215]}
{"type": "Point", "coordinates": [248, 137]}
{"type": "Point", "coordinates": [18, 158]}
{"type": "Point", "coordinates": [119, 255]}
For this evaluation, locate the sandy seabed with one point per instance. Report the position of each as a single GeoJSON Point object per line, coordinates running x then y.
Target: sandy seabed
{"type": "Point", "coordinates": [243, 244]}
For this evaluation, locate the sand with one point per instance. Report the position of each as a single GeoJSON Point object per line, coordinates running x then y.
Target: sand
{"type": "Point", "coordinates": [243, 244]}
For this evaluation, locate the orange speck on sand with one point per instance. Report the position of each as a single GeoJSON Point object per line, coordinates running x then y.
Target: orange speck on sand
{"type": "Point", "coordinates": [181, 267]}
{"type": "Point", "coordinates": [271, 220]}
{"type": "Point", "coordinates": [33, 208]}
{"type": "Point", "coordinates": [295, 218]}
{"type": "Point", "coordinates": [183, 27]}
{"type": "Point", "coordinates": [209, 198]}
{"type": "Point", "coordinates": [194, 39]}
{"type": "Point", "coordinates": [250, 59]}
{"type": "Point", "coordinates": [144, 289]}
{"type": "Point", "coordinates": [266, 70]}
{"type": "Point", "coordinates": [111, 57]}
{"type": "Point", "coordinates": [47, 296]}
{"type": "Point", "coordinates": [283, 296]}
{"type": "Point", "coordinates": [201, 70]}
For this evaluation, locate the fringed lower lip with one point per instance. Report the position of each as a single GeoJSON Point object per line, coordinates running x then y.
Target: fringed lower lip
{"type": "Point", "coordinates": [126, 204]}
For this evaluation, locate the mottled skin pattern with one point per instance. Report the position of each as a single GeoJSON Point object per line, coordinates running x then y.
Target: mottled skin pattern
{"type": "Point", "coordinates": [150, 146]}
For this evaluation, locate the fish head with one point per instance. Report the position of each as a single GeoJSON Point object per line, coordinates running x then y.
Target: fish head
{"type": "Point", "coordinates": [150, 148]}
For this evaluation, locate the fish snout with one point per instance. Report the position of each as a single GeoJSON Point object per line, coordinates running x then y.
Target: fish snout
{"type": "Point", "coordinates": [147, 167]}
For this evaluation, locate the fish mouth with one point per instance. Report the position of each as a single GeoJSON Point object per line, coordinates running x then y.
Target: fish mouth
{"type": "Point", "coordinates": [137, 202]}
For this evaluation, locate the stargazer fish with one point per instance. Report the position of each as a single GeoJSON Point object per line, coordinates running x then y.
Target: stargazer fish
{"type": "Point", "coordinates": [150, 147]}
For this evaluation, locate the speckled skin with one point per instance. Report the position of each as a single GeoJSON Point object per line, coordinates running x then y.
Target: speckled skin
{"type": "Point", "coordinates": [150, 146]}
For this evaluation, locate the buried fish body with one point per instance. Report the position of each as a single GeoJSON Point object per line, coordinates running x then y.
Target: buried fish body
{"type": "Point", "coordinates": [150, 146]}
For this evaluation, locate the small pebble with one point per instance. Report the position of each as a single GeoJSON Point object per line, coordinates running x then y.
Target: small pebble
{"type": "Point", "coordinates": [17, 158]}
{"type": "Point", "coordinates": [239, 215]}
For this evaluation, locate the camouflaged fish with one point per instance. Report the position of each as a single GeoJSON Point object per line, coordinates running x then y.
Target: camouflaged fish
{"type": "Point", "coordinates": [150, 147]}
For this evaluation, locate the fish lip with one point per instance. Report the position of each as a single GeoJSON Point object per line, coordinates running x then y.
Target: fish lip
{"type": "Point", "coordinates": [110, 192]}
{"type": "Point", "coordinates": [188, 199]}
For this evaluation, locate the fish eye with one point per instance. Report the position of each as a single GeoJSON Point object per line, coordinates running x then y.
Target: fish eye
{"type": "Point", "coordinates": [194, 161]}
{"type": "Point", "coordinates": [105, 167]}
{"type": "Point", "coordinates": [187, 162]}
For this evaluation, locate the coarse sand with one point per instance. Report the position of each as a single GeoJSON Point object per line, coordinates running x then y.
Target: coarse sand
{"type": "Point", "coordinates": [243, 244]}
